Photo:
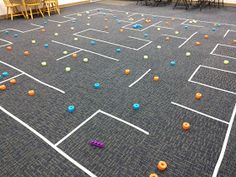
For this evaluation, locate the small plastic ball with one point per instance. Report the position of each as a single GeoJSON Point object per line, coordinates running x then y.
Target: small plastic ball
{"type": "Point", "coordinates": [33, 41]}
{"type": "Point", "coordinates": [145, 35]}
{"type": "Point", "coordinates": [188, 54]}
{"type": "Point", "coordinates": [9, 48]}
{"type": "Point", "coordinates": [26, 53]}
{"type": "Point", "coordinates": [93, 42]}
{"type": "Point", "coordinates": [72, 28]}
{"type": "Point", "coordinates": [153, 175]}
{"type": "Point", "coordinates": [226, 62]}
{"type": "Point", "coordinates": [65, 52]}
{"type": "Point", "coordinates": [44, 63]}
{"type": "Point", "coordinates": [74, 55]}
{"type": "Point", "coordinates": [176, 32]}
{"type": "Point", "coordinates": [97, 86]}
{"type": "Point", "coordinates": [31, 93]}
{"type": "Point", "coordinates": [43, 30]}
{"type": "Point", "coordinates": [75, 39]}
{"type": "Point", "coordinates": [156, 78]}
{"type": "Point", "coordinates": [206, 36]}
{"type": "Point", "coordinates": [55, 34]}
{"type": "Point", "coordinates": [88, 24]}
{"type": "Point", "coordinates": [234, 41]}
{"type": "Point", "coordinates": [145, 57]}
{"type": "Point", "coordinates": [186, 126]}
{"type": "Point", "coordinates": [85, 60]}
{"type": "Point", "coordinates": [5, 74]}
{"type": "Point", "coordinates": [162, 165]}
{"type": "Point", "coordinates": [13, 81]}
{"type": "Point", "coordinates": [3, 87]}
{"type": "Point", "coordinates": [67, 69]}
{"type": "Point", "coordinates": [197, 43]}
{"type": "Point", "coordinates": [127, 71]}
{"type": "Point", "coordinates": [158, 29]}
{"type": "Point", "coordinates": [198, 96]}
{"type": "Point", "coordinates": [46, 46]}
{"type": "Point", "coordinates": [159, 47]}
{"type": "Point", "coordinates": [173, 63]}
{"type": "Point", "coordinates": [213, 29]}
{"type": "Point", "coordinates": [59, 25]}
{"type": "Point", "coordinates": [136, 106]}
{"type": "Point", "coordinates": [186, 27]}
{"type": "Point", "coordinates": [15, 35]}
{"type": "Point", "coordinates": [71, 108]}
{"type": "Point", "coordinates": [118, 50]}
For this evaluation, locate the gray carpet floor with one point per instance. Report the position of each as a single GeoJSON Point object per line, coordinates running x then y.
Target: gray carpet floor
{"type": "Point", "coordinates": [164, 105]}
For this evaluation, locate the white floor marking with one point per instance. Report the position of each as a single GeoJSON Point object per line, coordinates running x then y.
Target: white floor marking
{"type": "Point", "coordinates": [125, 122]}
{"type": "Point", "coordinates": [183, 23]}
{"type": "Point", "coordinates": [48, 142]}
{"type": "Point", "coordinates": [79, 126]}
{"type": "Point", "coordinates": [92, 116]}
{"type": "Point", "coordinates": [68, 45]}
{"type": "Point", "coordinates": [11, 78]}
{"type": "Point", "coordinates": [224, 56]}
{"type": "Point", "coordinates": [140, 78]}
{"type": "Point", "coordinates": [30, 30]}
{"type": "Point", "coordinates": [163, 27]}
{"type": "Point", "coordinates": [69, 55]}
{"type": "Point", "coordinates": [184, 38]}
{"type": "Point", "coordinates": [91, 29]}
{"type": "Point", "coordinates": [132, 37]}
{"type": "Point", "coordinates": [4, 45]}
{"type": "Point", "coordinates": [198, 112]}
{"type": "Point", "coordinates": [37, 80]}
{"type": "Point", "coordinates": [226, 33]}
{"type": "Point", "coordinates": [227, 135]}
{"type": "Point", "coordinates": [187, 39]}
{"type": "Point", "coordinates": [206, 85]}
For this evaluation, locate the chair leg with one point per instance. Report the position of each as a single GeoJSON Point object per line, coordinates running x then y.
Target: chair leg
{"type": "Point", "coordinates": [11, 13]}
{"type": "Point", "coordinates": [7, 12]}
{"type": "Point", "coordinates": [40, 12]}
{"type": "Point", "coordinates": [48, 9]}
{"type": "Point", "coordinates": [31, 14]}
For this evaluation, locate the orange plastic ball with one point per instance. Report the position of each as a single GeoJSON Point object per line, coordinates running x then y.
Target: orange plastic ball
{"type": "Point", "coordinates": [153, 175]}
{"type": "Point", "coordinates": [121, 30]}
{"type": "Point", "coordinates": [26, 53]}
{"type": "Point", "coordinates": [162, 165]}
{"type": "Point", "coordinates": [206, 36]}
{"type": "Point", "coordinates": [13, 81]}
{"type": "Point", "coordinates": [198, 96]}
{"type": "Point", "coordinates": [186, 126]}
{"type": "Point", "coordinates": [74, 55]}
{"type": "Point", "coordinates": [9, 48]}
{"type": "Point", "coordinates": [3, 87]}
{"type": "Point", "coordinates": [167, 38]}
{"type": "Point", "coordinates": [43, 30]}
{"type": "Point", "coordinates": [156, 78]}
{"type": "Point", "coordinates": [197, 43]}
{"type": "Point", "coordinates": [234, 41]}
{"type": "Point", "coordinates": [127, 71]}
{"type": "Point", "coordinates": [31, 93]}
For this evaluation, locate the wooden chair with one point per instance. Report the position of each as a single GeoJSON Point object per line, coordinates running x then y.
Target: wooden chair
{"type": "Point", "coordinates": [34, 5]}
{"type": "Point", "coordinates": [12, 9]}
{"type": "Point", "coordinates": [51, 6]}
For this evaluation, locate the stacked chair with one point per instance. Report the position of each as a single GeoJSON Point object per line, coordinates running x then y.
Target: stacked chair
{"type": "Point", "coordinates": [28, 8]}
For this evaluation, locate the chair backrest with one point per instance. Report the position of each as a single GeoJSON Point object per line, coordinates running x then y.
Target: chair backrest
{"type": "Point", "coordinates": [7, 2]}
{"type": "Point", "coordinates": [32, 1]}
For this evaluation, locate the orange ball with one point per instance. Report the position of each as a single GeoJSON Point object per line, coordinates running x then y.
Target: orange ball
{"type": "Point", "coordinates": [43, 30]}
{"type": "Point", "coordinates": [167, 38]}
{"type": "Point", "coordinates": [31, 93]}
{"type": "Point", "coordinates": [234, 41]}
{"type": "Point", "coordinates": [13, 81]}
{"type": "Point", "coordinates": [153, 175]}
{"type": "Point", "coordinates": [121, 30]}
{"type": "Point", "coordinates": [186, 126]}
{"type": "Point", "coordinates": [206, 36]}
{"type": "Point", "coordinates": [127, 71]}
{"type": "Point", "coordinates": [3, 87]}
{"type": "Point", "coordinates": [9, 48]}
{"type": "Point", "coordinates": [197, 43]}
{"type": "Point", "coordinates": [74, 55]}
{"type": "Point", "coordinates": [26, 53]}
{"type": "Point", "coordinates": [162, 165]}
{"type": "Point", "coordinates": [198, 96]}
{"type": "Point", "coordinates": [156, 78]}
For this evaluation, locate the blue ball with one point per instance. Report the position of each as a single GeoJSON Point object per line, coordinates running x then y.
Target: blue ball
{"type": "Point", "coordinates": [6, 32]}
{"type": "Point", "coordinates": [15, 35]}
{"type": "Point", "coordinates": [71, 108]}
{"type": "Point", "coordinates": [213, 29]}
{"type": "Point", "coordinates": [186, 27]}
{"type": "Point", "coordinates": [118, 50]}
{"type": "Point", "coordinates": [46, 46]}
{"type": "Point", "coordinates": [145, 35]}
{"type": "Point", "coordinates": [173, 63]}
{"type": "Point", "coordinates": [97, 86]}
{"type": "Point", "coordinates": [5, 74]}
{"type": "Point", "coordinates": [93, 42]}
{"type": "Point", "coordinates": [136, 106]}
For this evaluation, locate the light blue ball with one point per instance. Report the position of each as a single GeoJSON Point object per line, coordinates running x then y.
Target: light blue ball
{"type": "Point", "coordinates": [173, 63]}
{"type": "Point", "coordinates": [46, 46]}
{"type": "Point", "coordinates": [71, 108]}
{"type": "Point", "coordinates": [118, 50]}
{"type": "Point", "coordinates": [136, 106]}
{"type": "Point", "coordinates": [5, 74]}
{"type": "Point", "coordinates": [93, 42]}
{"type": "Point", "coordinates": [97, 86]}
